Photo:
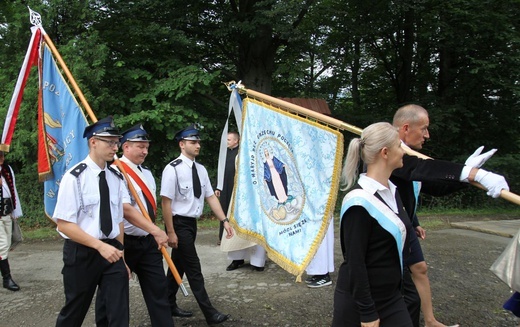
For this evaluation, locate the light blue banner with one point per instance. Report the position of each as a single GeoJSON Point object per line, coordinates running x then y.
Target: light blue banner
{"type": "Point", "coordinates": [64, 125]}
{"type": "Point", "coordinates": [286, 184]}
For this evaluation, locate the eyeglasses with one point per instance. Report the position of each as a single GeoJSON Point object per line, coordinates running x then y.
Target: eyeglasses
{"type": "Point", "coordinates": [110, 142]}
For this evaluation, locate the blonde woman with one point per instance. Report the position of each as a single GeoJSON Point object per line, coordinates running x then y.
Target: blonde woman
{"type": "Point", "coordinates": [375, 232]}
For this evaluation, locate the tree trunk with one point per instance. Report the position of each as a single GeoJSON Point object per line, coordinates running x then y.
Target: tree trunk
{"type": "Point", "coordinates": [356, 95]}
{"type": "Point", "coordinates": [405, 75]}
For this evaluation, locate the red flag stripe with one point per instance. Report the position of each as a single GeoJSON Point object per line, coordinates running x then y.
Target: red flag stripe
{"type": "Point", "coordinates": [31, 59]}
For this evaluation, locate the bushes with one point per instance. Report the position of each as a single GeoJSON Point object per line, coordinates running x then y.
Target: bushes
{"type": "Point", "coordinates": [31, 196]}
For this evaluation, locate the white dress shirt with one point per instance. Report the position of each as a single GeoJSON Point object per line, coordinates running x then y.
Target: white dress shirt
{"type": "Point", "coordinates": [82, 207]}
{"type": "Point", "coordinates": [387, 194]}
{"type": "Point", "coordinates": [177, 185]}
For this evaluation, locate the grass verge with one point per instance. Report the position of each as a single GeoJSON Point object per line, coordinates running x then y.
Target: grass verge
{"type": "Point", "coordinates": [430, 220]}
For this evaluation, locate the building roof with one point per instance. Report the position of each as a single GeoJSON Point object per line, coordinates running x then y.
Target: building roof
{"type": "Point", "coordinates": [318, 105]}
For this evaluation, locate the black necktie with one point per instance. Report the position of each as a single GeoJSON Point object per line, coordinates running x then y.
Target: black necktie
{"type": "Point", "coordinates": [196, 182]}
{"type": "Point", "coordinates": [149, 206]}
{"type": "Point", "coordinates": [105, 215]}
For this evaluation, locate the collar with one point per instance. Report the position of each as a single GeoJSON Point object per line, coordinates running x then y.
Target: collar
{"type": "Point", "coordinates": [92, 165]}
{"type": "Point", "coordinates": [187, 160]}
{"type": "Point", "coordinates": [128, 162]}
{"type": "Point", "coordinates": [372, 186]}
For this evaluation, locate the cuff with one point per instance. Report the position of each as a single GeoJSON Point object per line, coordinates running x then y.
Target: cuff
{"type": "Point", "coordinates": [480, 174]}
{"type": "Point", "coordinates": [465, 174]}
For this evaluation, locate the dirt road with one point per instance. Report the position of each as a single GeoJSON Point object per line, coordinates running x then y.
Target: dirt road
{"type": "Point", "coordinates": [464, 289]}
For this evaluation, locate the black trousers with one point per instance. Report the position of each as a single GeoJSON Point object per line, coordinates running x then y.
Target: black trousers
{"type": "Point", "coordinates": [85, 270]}
{"type": "Point", "coordinates": [411, 297]}
{"type": "Point", "coordinates": [187, 262]}
{"type": "Point", "coordinates": [146, 261]}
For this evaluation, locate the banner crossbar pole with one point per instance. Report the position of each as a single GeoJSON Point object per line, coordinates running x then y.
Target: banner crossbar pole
{"type": "Point", "coordinates": [506, 195]}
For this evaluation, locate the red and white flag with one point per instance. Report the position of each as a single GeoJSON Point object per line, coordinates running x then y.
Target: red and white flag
{"type": "Point", "coordinates": [31, 59]}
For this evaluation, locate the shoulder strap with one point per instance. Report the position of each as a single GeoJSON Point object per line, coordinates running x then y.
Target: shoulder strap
{"type": "Point", "coordinates": [175, 162]}
{"type": "Point", "coordinates": [116, 172]}
{"type": "Point", "coordinates": [78, 169]}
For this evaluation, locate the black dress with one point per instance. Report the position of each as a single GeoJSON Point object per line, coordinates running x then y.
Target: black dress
{"type": "Point", "coordinates": [370, 279]}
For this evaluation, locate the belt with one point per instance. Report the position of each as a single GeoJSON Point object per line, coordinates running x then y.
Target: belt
{"type": "Point", "coordinates": [133, 237]}
{"type": "Point", "coordinates": [115, 243]}
{"type": "Point", "coordinates": [112, 241]}
{"type": "Point", "coordinates": [179, 216]}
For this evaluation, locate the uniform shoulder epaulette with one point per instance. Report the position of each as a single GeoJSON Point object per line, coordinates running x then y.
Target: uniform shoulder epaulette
{"type": "Point", "coordinates": [145, 167]}
{"type": "Point", "coordinates": [116, 172]}
{"type": "Point", "coordinates": [175, 162]}
{"type": "Point", "coordinates": [76, 171]}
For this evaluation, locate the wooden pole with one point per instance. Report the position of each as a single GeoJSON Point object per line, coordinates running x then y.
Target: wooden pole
{"type": "Point", "coordinates": [69, 76]}
{"type": "Point", "coordinates": [144, 211]}
{"type": "Point", "coordinates": [92, 116]}
{"type": "Point", "coordinates": [506, 195]}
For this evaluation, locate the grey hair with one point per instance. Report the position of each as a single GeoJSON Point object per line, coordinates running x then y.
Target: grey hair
{"type": "Point", "coordinates": [366, 148]}
{"type": "Point", "coordinates": [409, 114]}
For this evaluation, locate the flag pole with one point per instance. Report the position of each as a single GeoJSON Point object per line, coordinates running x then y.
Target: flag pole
{"type": "Point", "coordinates": [69, 76]}
{"type": "Point", "coordinates": [36, 20]}
{"type": "Point", "coordinates": [506, 195]}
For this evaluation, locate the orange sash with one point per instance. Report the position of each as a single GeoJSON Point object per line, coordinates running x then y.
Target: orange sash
{"type": "Point", "coordinates": [141, 184]}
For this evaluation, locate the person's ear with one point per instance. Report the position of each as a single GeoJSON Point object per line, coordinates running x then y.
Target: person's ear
{"type": "Point", "coordinates": [384, 152]}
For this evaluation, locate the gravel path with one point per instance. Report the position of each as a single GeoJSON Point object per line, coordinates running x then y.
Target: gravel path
{"type": "Point", "coordinates": [464, 289]}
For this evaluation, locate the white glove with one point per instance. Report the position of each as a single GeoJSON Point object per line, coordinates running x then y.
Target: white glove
{"type": "Point", "coordinates": [492, 182]}
{"type": "Point", "coordinates": [476, 160]}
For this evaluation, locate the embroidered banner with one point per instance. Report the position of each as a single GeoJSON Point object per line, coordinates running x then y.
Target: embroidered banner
{"type": "Point", "coordinates": [286, 183]}
{"type": "Point", "coordinates": [62, 135]}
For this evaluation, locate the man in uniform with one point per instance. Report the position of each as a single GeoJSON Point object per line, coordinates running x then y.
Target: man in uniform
{"type": "Point", "coordinates": [184, 186]}
{"type": "Point", "coordinates": [143, 239]}
{"type": "Point", "coordinates": [89, 215]}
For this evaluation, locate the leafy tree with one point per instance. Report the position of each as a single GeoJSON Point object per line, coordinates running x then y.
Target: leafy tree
{"type": "Point", "coordinates": [164, 63]}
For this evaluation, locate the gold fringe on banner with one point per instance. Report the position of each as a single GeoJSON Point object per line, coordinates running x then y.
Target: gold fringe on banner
{"type": "Point", "coordinates": [249, 235]}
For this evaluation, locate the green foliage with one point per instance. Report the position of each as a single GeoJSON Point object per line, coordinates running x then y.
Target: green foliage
{"type": "Point", "coordinates": [31, 197]}
{"type": "Point", "coordinates": [163, 63]}
{"type": "Point", "coordinates": [39, 233]}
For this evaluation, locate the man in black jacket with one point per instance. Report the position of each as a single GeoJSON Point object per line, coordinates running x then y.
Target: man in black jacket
{"type": "Point", "coordinates": [225, 191]}
{"type": "Point", "coordinates": [434, 177]}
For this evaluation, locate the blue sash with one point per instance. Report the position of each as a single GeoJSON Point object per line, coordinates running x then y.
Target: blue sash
{"type": "Point", "coordinates": [380, 212]}
{"type": "Point", "coordinates": [416, 191]}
